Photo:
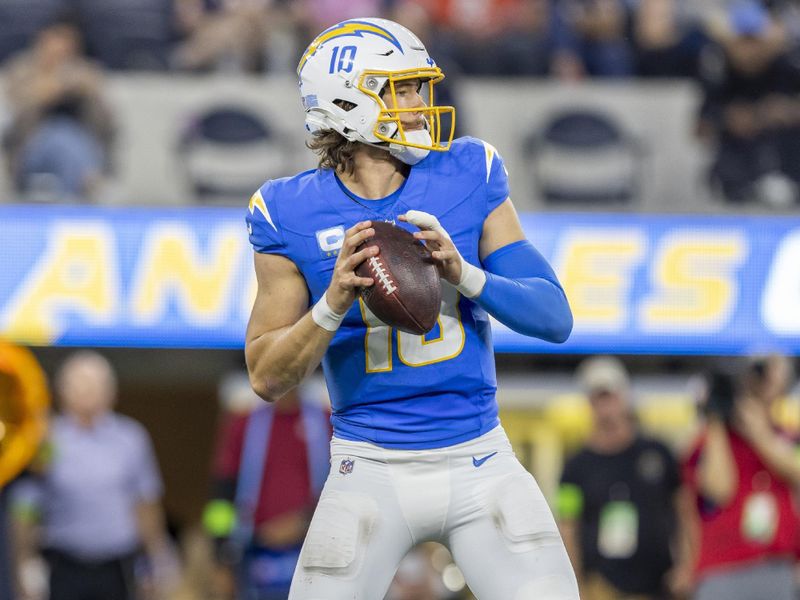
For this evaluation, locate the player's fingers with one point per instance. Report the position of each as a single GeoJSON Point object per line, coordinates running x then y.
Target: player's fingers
{"type": "Point", "coordinates": [445, 255]}
{"type": "Point", "coordinates": [363, 281]}
{"type": "Point", "coordinates": [429, 235]}
{"type": "Point", "coordinates": [357, 227]}
{"type": "Point", "coordinates": [353, 281]}
{"type": "Point", "coordinates": [421, 219]}
{"type": "Point", "coordinates": [360, 256]}
{"type": "Point", "coordinates": [358, 237]}
{"type": "Point", "coordinates": [435, 240]}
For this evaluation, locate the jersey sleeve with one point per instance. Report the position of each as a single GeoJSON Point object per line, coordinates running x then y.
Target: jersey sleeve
{"type": "Point", "coordinates": [496, 178]}
{"type": "Point", "coordinates": [262, 222]}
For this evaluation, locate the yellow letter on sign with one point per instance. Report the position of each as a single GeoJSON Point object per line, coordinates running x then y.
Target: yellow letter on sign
{"type": "Point", "coordinates": [596, 269]}
{"type": "Point", "coordinates": [173, 266]}
{"type": "Point", "coordinates": [76, 274]}
{"type": "Point", "coordinates": [695, 283]}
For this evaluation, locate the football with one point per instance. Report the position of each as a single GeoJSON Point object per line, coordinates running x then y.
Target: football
{"type": "Point", "coordinates": [407, 293]}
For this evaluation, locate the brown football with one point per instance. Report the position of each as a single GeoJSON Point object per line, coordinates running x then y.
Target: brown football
{"type": "Point", "coordinates": [407, 293]}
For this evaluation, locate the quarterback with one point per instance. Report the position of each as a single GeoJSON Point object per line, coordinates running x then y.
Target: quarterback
{"type": "Point", "coordinates": [418, 452]}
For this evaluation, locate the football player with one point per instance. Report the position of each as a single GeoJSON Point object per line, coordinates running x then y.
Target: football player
{"type": "Point", "coordinates": [418, 451]}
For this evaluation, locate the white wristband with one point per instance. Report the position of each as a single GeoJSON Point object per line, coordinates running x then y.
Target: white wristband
{"type": "Point", "coordinates": [472, 280]}
{"type": "Point", "coordinates": [323, 315]}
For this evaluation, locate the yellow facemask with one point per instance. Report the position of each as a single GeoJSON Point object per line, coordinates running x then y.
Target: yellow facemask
{"type": "Point", "coordinates": [368, 82]}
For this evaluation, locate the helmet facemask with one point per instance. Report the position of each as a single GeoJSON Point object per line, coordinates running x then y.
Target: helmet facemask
{"type": "Point", "coordinates": [389, 126]}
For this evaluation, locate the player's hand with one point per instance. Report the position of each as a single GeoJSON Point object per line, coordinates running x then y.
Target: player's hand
{"type": "Point", "coordinates": [345, 283]}
{"type": "Point", "coordinates": [448, 259]}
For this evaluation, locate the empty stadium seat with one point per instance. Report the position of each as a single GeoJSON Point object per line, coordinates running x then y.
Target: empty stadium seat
{"type": "Point", "coordinates": [583, 156]}
{"type": "Point", "coordinates": [229, 151]}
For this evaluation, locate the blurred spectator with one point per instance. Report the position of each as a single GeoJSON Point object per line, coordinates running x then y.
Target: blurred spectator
{"type": "Point", "coordinates": [666, 43]}
{"type": "Point", "coordinates": [751, 111]}
{"type": "Point", "coordinates": [495, 37]}
{"type": "Point", "coordinates": [128, 34]}
{"type": "Point", "coordinates": [318, 15]}
{"type": "Point", "coordinates": [271, 463]}
{"type": "Point", "coordinates": [617, 497]}
{"type": "Point", "coordinates": [225, 35]}
{"type": "Point", "coordinates": [96, 495]}
{"type": "Point", "coordinates": [742, 475]}
{"type": "Point", "coordinates": [769, 378]}
{"type": "Point", "coordinates": [787, 12]}
{"type": "Point", "coordinates": [595, 33]}
{"type": "Point", "coordinates": [61, 130]}
{"type": "Point", "coordinates": [21, 20]}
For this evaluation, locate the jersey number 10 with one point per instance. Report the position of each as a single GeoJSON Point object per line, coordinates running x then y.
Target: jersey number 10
{"type": "Point", "coordinates": [414, 350]}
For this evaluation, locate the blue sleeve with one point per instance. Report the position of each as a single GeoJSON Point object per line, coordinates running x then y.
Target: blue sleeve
{"type": "Point", "coordinates": [523, 293]}
{"type": "Point", "coordinates": [262, 222]}
{"type": "Point", "coordinates": [496, 178]}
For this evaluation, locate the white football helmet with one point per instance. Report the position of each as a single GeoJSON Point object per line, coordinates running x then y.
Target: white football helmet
{"type": "Point", "coordinates": [346, 68]}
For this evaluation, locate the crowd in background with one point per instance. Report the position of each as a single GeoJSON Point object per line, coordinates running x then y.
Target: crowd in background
{"type": "Point", "coordinates": [642, 519]}
{"type": "Point", "coordinates": [562, 38]}
{"type": "Point", "coordinates": [742, 54]}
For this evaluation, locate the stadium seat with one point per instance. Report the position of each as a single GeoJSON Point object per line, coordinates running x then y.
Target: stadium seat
{"type": "Point", "coordinates": [583, 156]}
{"type": "Point", "coordinates": [229, 151]}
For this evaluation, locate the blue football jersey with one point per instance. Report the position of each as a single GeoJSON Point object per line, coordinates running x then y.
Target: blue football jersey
{"type": "Point", "coordinates": [389, 387]}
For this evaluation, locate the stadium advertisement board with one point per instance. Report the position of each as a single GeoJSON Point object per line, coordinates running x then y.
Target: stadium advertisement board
{"type": "Point", "coordinates": [183, 277]}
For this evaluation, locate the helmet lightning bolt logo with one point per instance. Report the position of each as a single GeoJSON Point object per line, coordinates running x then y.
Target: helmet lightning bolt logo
{"type": "Point", "coordinates": [348, 28]}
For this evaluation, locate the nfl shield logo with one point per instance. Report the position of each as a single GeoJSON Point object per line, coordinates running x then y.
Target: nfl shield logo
{"type": "Point", "coordinates": [347, 466]}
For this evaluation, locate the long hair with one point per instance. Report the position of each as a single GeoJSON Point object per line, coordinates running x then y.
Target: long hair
{"type": "Point", "coordinates": [334, 151]}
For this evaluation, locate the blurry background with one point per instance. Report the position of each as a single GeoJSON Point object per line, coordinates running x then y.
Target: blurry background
{"type": "Point", "coordinates": [652, 147]}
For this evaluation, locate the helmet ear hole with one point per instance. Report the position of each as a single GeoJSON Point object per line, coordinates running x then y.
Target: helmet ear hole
{"type": "Point", "coordinates": [345, 105]}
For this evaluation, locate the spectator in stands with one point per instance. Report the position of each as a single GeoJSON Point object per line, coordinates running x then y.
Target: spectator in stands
{"type": "Point", "coordinates": [666, 42]}
{"type": "Point", "coordinates": [769, 377]}
{"type": "Point", "coordinates": [225, 35]}
{"type": "Point", "coordinates": [787, 12]}
{"type": "Point", "coordinates": [742, 475]}
{"type": "Point", "coordinates": [318, 15]}
{"type": "Point", "coordinates": [128, 34]}
{"type": "Point", "coordinates": [751, 111]}
{"type": "Point", "coordinates": [617, 498]}
{"type": "Point", "coordinates": [270, 466]}
{"type": "Point", "coordinates": [21, 20]}
{"type": "Point", "coordinates": [59, 139]}
{"type": "Point", "coordinates": [496, 37]}
{"type": "Point", "coordinates": [96, 497]}
{"type": "Point", "coordinates": [595, 34]}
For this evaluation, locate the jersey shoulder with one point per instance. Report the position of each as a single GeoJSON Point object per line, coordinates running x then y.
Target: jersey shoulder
{"type": "Point", "coordinates": [474, 155]}
{"type": "Point", "coordinates": [479, 162]}
{"type": "Point", "coordinates": [280, 206]}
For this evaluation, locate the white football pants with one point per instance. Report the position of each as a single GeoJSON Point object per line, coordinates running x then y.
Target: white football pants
{"type": "Point", "coordinates": [475, 498]}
